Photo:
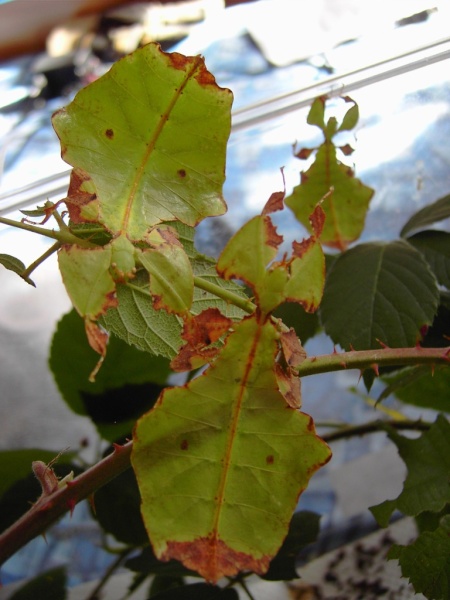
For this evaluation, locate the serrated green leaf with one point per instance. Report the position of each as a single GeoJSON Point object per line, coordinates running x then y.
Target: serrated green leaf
{"type": "Point", "coordinates": [50, 585]}
{"type": "Point", "coordinates": [305, 325]}
{"type": "Point", "coordinates": [126, 386]}
{"type": "Point", "coordinates": [152, 135]}
{"type": "Point", "coordinates": [426, 562]}
{"type": "Point", "coordinates": [428, 215]}
{"type": "Point", "coordinates": [435, 246]}
{"type": "Point", "coordinates": [422, 387]}
{"type": "Point", "coordinates": [344, 198]}
{"type": "Point", "coordinates": [379, 291]}
{"type": "Point", "coordinates": [236, 436]}
{"type": "Point", "coordinates": [427, 486]}
{"type": "Point", "coordinates": [14, 264]}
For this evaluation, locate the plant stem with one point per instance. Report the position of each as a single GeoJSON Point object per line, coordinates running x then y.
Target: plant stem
{"type": "Point", "coordinates": [374, 427]}
{"type": "Point", "coordinates": [40, 260]}
{"type": "Point", "coordinates": [49, 508]}
{"type": "Point", "coordinates": [64, 236]}
{"type": "Point", "coordinates": [365, 359]}
{"type": "Point", "coordinates": [94, 595]}
{"type": "Point", "coordinates": [243, 303]}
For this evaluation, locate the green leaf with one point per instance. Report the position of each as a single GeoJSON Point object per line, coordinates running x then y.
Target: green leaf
{"type": "Point", "coordinates": [438, 211]}
{"type": "Point", "coordinates": [14, 264]}
{"type": "Point", "coordinates": [422, 387]}
{"type": "Point", "coordinates": [221, 461]}
{"type": "Point", "coordinates": [344, 198]}
{"type": "Point", "coordinates": [305, 325]}
{"type": "Point", "coordinates": [427, 486]}
{"type": "Point", "coordinates": [152, 135]}
{"type": "Point", "coordinates": [126, 386]}
{"type": "Point", "coordinates": [50, 585]}
{"type": "Point", "coordinates": [435, 246]}
{"type": "Point", "coordinates": [379, 291]}
{"type": "Point", "coordinates": [303, 530]}
{"type": "Point", "coordinates": [426, 562]}
{"type": "Point", "coordinates": [137, 322]}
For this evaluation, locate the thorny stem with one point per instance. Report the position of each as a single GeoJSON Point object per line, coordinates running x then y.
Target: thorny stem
{"type": "Point", "coordinates": [366, 359]}
{"type": "Point", "coordinates": [48, 509]}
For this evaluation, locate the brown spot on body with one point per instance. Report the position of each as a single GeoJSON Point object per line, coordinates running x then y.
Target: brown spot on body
{"type": "Point", "coordinates": [184, 445]}
{"type": "Point", "coordinates": [179, 61]}
{"type": "Point", "coordinates": [181, 173]}
{"type": "Point", "coordinates": [270, 459]}
{"type": "Point", "coordinates": [109, 134]}
{"type": "Point", "coordinates": [213, 559]}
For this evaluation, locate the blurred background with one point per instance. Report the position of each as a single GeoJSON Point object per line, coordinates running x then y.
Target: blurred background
{"type": "Point", "coordinates": [276, 56]}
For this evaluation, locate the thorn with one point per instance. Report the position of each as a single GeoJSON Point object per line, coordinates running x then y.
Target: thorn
{"type": "Point", "coordinates": [375, 369]}
{"type": "Point", "coordinates": [343, 364]}
{"type": "Point", "coordinates": [334, 350]}
{"type": "Point", "coordinates": [351, 348]}
{"type": "Point", "coordinates": [117, 447]}
{"type": "Point", "coordinates": [382, 344]}
{"type": "Point", "coordinates": [71, 503]}
{"type": "Point", "coordinates": [360, 375]}
{"type": "Point", "coordinates": [91, 501]}
{"type": "Point", "coordinates": [432, 370]}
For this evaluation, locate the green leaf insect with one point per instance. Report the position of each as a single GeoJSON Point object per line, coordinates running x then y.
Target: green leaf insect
{"type": "Point", "coordinates": [232, 430]}
{"type": "Point", "coordinates": [147, 142]}
{"type": "Point", "coordinates": [344, 198]}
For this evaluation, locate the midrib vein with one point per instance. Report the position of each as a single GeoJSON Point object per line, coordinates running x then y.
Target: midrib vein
{"type": "Point", "coordinates": [232, 432]}
{"type": "Point", "coordinates": [152, 144]}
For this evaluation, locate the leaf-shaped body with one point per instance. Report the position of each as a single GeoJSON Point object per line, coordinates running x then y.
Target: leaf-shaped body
{"type": "Point", "coordinates": [152, 135]}
{"type": "Point", "coordinates": [221, 462]}
{"type": "Point", "coordinates": [345, 198]}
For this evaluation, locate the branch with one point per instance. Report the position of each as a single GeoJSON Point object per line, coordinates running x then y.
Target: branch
{"type": "Point", "coordinates": [49, 507]}
{"type": "Point", "coordinates": [374, 427]}
{"type": "Point", "coordinates": [373, 359]}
